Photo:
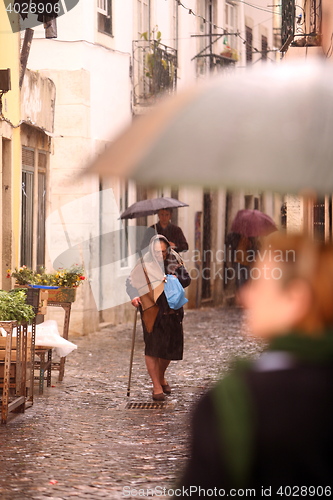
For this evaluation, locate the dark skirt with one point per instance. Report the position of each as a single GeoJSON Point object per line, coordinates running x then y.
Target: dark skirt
{"type": "Point", "coordinates": [167, 339]}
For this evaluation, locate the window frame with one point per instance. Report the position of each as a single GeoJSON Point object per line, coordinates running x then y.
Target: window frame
{"type": "Point", "coordinates": [33, 206]}
{"type": "Point", "coordinates": [264, 48]}
{"type": "Point", "coordinates": [41, 204]}
{"type": "Point", "coordinates": [27, 211]}
{"type": "Point", "coordinates": [231, 27]}
{"type": "Point", "coordinates": [104, 18]}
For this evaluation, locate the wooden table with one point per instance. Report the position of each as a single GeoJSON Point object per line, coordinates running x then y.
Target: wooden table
{"type": "Point", "coordinates": [17, 374]}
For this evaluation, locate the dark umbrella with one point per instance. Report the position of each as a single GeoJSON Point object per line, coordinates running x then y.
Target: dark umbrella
{"type": "Point", "coordinates": [149, 207]}
{"type": "Point", "coordinates": [253, 223]}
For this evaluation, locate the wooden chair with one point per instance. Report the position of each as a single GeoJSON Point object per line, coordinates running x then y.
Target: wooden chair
{"type": "Point", "coordinates": [44, 364]}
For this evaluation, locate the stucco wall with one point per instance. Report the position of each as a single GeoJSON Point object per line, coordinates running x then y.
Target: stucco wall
{"type": "Point", "coordinates": [92, 104]}
{"type": "Point", "coordinates": [38, 100]}
{"type": "Point", "coordinates": [10, 160]}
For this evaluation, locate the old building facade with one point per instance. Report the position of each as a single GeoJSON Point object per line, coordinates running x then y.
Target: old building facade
{"type": "Point", "coordinates": [111, 61]}
{"type": "Point", "coordinates": [306, 35]}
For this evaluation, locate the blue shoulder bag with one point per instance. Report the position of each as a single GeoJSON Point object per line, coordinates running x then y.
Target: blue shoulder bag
{"type": "Point", "coordinates": [174, 292]}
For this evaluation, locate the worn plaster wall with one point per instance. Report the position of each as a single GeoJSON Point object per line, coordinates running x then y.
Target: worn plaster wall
{"type": "Point", "coordinates": [10, 159]}
{"type": "Point", "coordinates": [38, 100]}
{"type": "Point", "coordinates": [261, 25]}
{"type": "Point", "coordinates": [294, 213]}
{"type": "Point", "coordinates": [92, 104]}
{"type": "Point", "coordinates": [327, 27]}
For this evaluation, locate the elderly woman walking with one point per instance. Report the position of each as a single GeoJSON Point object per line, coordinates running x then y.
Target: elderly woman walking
{"type": "Point", "coordinates": [162, 325]}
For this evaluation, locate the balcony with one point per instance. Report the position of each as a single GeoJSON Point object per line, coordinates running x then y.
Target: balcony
{"type": "Point", "coordinates": [154, 71]}
{"type": "Point", "coordinates": [301, 23]}
{"type": "Point", "coordinates": [215, 62]}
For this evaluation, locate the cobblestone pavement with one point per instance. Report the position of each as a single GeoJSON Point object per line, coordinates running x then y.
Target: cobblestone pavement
{"type": "Point", "coordinates": [79, 440]}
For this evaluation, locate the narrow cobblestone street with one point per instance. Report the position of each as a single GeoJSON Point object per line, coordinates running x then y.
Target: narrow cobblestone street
{"type": "Point", "coordinates": [79, 440]}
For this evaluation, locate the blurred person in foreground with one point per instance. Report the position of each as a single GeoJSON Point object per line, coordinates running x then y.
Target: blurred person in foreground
{"type": "Point", "coordinates": [162, 326]}
{"type": "Point", "coordinates": [172, 233]}
{"type": "Point", "coordinates": [268, 425]}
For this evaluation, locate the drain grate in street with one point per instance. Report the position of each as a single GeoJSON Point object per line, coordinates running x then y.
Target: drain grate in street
{"type": "Point", "coordinates": [146, 406]}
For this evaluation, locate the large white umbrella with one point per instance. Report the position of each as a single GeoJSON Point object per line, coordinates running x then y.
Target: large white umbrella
{"type": "Point", "coordinates": [268, 128]}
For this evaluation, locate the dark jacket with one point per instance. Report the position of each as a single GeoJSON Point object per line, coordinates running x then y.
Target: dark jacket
{"type": "Point", "coordinates": [171, 232]}
{"type": "Point", "coordinates": [269, 424]}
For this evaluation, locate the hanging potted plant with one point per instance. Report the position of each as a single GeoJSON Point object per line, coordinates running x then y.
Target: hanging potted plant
{"type": "Point", "coordinates": [229, 52]}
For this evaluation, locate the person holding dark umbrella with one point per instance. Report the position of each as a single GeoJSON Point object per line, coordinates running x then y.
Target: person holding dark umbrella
{"type": "Point", "coordinates": [163, 208]}
{"type": "Point", "coordinates": [162, 326]}
{"type": "Point", "coordinates": [173, 233]}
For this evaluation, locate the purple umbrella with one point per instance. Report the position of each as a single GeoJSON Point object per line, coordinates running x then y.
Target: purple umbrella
{"type": "Point", "coordinates": [253, 223]}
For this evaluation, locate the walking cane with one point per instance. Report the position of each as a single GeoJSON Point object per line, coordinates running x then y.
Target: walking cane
{"type": "Point", "coordinates": [132, 351]}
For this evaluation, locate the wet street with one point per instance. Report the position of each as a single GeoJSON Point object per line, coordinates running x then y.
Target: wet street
{"type": "Point", "coordinates": [80, 440]}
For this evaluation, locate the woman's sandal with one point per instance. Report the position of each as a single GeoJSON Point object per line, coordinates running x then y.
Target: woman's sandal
{"type": "Point", "coordinates": [159, 397]}
{"type": "Point", "coordinates": [166, 389]}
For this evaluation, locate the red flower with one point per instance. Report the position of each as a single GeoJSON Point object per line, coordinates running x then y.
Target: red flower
{"type": "Point", "coordinates": [82, 278]}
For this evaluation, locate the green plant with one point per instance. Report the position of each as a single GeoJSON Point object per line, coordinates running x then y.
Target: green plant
{"type": "Point", "coordinates": [43, 278]}
{"type": "Point", "coordinates": [160, 67]}
{"type": "Point", "coordinates": [228, 51]}
{"type": "Point", "coordinates": [13, 307]}
{"type": "Point", "coordinates": [23, 275]}
{"type": "Point", "coordinates": [71, 277]}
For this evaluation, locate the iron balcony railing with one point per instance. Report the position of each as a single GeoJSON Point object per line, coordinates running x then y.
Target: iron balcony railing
{"type": "Point", "coordinates": [301, 23]}
{"type": "Point", "coordinates": [154, 71]}
{"type": "Point", "coordinates": [214, 62]}
{"type": "Point", "coordinates": [288, 22]}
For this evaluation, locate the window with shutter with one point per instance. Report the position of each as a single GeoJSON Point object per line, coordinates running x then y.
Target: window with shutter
{"type": "Point", "coordinates": [102, 7]}
{"type": "Point", "coordinates": [249, 46]}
